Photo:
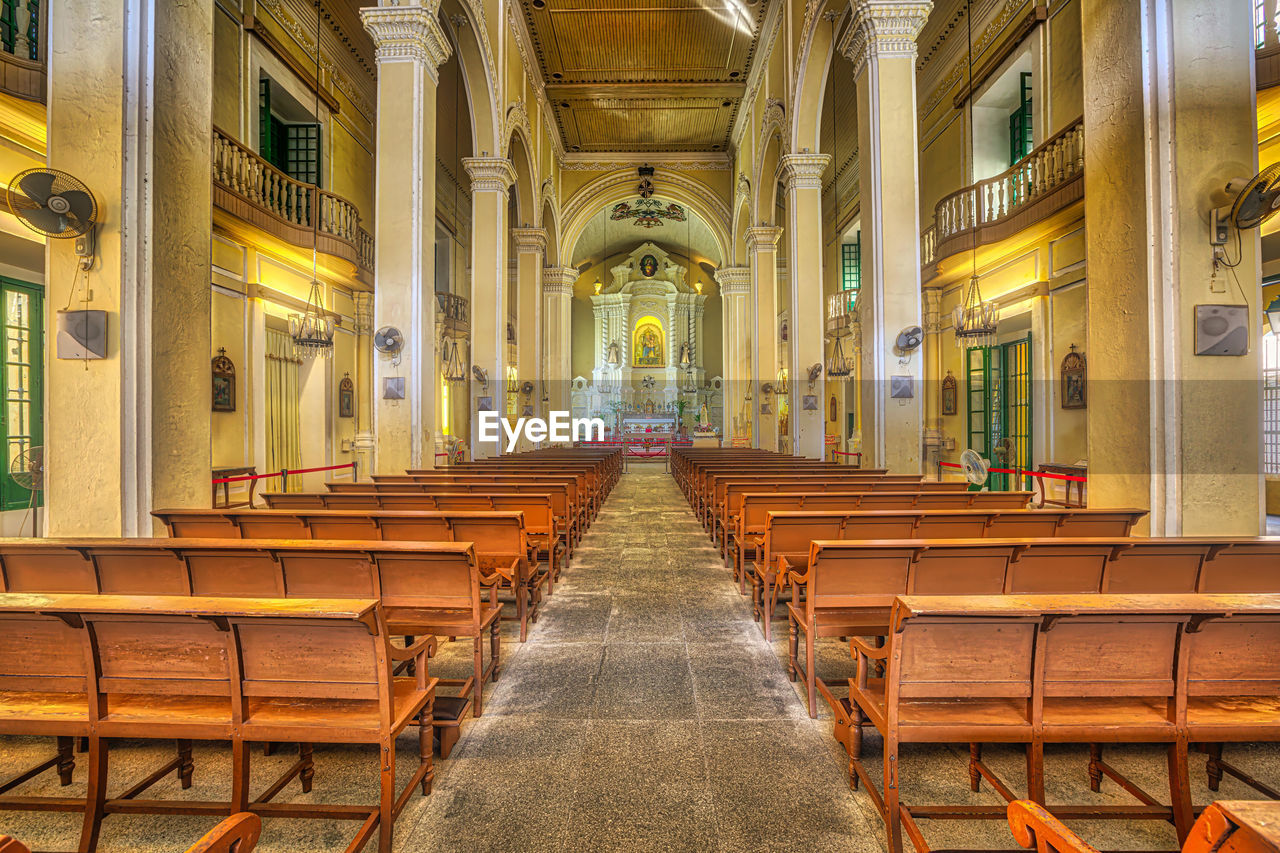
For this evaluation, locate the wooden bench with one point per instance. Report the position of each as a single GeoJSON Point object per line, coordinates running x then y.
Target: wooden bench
{"type": "Point", "coordinates": [502, 548]}
{"type": "Point", "coordinates": [875, 494]}
{"type": "Point", "coordinates": [1045, 669]}
{"type": "Point", "coordinates": [856, 581]}
{"type": "Point", "coordinates": [425, 588]}
{"type": "Point", "coordinates": [748, 528]}
{"type": "Point", "coordinates": [783, 550]}
{"type": "Point", "coordinates": [1227, 826]}
{"type": "Point", "coordinates": [542, 527]}
{"type": "Point", "coordinates": [710, 494]}
{"type": "Point", "coordinates": [241, 670]}
{"type": "Point", "coordinates": [237, 834]}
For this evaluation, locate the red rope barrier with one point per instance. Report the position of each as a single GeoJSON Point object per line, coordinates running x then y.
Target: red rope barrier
{"type": "Point", "coordinates": [245, 477]}
{"type": "Point", "coordinates": [1048, 475]}
{"type": "Point", "coordinates": [314, 470]}
{"type": "Point", "coordinates": [285, 472]}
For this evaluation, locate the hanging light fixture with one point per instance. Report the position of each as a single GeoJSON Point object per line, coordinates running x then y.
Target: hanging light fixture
{"type": "Point", "coordinates": [312, 330]}
{"type": "Point", "coordinates": [453, 365]}
{"type": "Point", "coordinates": [974, 319]}
{"type": "Point", "coordinates": [455, 369]}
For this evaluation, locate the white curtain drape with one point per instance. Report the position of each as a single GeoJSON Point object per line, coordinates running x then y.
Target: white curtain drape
{"type": "Point", "coordinates": [284, 422]}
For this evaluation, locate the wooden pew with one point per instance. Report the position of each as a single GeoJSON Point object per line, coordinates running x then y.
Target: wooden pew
{"type": "Point", "coordinates": [502, 548]}
{"type": "Point", "coordinates": [241, 670]}
{"type": "Point", "coordinates": [784, 549]}
{"type": "Point", "coordinates": [425, 588]}
{"type": "Point", "coordinates": [1227, 826]}
{"type": "Point", "coordinates": [931, 496]}
{"type": "Point", "coordinates": [710, 486]}
{"type": "Point", "coordinates": [748, 529]}
{"type": "Point", "coordinates": [858, 580]}
{"type": "Point", "coordinates": [541, 526]}
{"type": "Point", "coordinates": [1045, 669]}
{"type": "Point", "coordinates": [236, 834]}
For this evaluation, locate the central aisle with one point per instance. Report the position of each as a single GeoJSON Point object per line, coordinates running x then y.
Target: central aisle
{"type": "Point", "coordinates": [646, 711]}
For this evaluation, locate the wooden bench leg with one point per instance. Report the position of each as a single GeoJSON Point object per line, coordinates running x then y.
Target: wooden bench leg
{"type": "Point", "coordinates": [185, 765]}
{"type": "Point", "coordinates": [308, 771]}
{"type": "Point", "coordinates": [793, 647]}
{"type": "Point", "coordinates": [1180, 789]}
{"type": "Point", "coordinates": [239, 776]}
{"type": "Point", "coordinates": [810, 667]}
{"type": "Point", "coordinates": [1095, 767]}
{"type": "Point", "coordinates": [1213, 767]}
{"type": "Point", "coordinates": [477, 703]}
{"type": "Point", "coordinates": [892, 813]}
{"type": "Point", "coordinates": [1035, 771]}
{"type": "Point", "coordinates": [975, 775]}
{"type": "Point", "coordinates": [387, 796]}
{"type": "Point", "coordinates": [95, 795]}
{"type": "Point", "coordinates": [66, 760]}
{"type": "Point", "coordinates": [425, 755]}
{"type": "Point", "coordinates": [495, 646]}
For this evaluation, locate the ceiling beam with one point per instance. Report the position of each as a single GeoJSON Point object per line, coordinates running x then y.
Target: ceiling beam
{"type": "Point", "coordinates": [590, 91]}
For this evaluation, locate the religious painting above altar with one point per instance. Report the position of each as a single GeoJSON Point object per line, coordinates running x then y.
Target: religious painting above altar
{"type": "Point", "coordinates": [648, 343]}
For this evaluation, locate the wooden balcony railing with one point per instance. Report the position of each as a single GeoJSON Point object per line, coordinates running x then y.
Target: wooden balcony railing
{"type": "Point", "coordinates": [1037, 186]}
{"type": "Point", "coordinates": [23, 37]}
{"type": "Point", "coordinates": [454, 313]}
{"type": "Point", "coordinates": [252, 189]}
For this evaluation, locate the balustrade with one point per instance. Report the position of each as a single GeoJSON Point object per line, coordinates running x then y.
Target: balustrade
{"type": "Point", "coordinates": [23, 40]}
{"type": "Point", "coordinates": [249, 176]}
{"type": "Point", "coordinates": [988, 202]}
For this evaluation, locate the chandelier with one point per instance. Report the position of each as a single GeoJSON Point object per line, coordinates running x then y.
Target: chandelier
{"type": "Point", "coordinates": [975, 320]}
{"type": "Point", "coordinates": [454, 368]}
{"type": "Point", "coordinates": [312, 330]}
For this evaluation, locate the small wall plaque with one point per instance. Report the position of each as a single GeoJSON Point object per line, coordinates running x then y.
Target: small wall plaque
{"type": "Point", "coordinates": [393, 387]}
{"type": "Point", "coordinates": [346, 397]}
{"type": "Point", "coordinates": [224, 382]}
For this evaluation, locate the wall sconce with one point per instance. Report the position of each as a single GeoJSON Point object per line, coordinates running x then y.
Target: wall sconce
{"type": "Point", "coordinates": [598, 286]}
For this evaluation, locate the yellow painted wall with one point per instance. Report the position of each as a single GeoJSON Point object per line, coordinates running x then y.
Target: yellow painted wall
{"type": "Point", "coordinates": [1066, 73]}
{"type": "Point", "coordinates": [230, 428]}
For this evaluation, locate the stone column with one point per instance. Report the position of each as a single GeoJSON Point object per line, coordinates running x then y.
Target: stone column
{"type": "Point", "coordinates": [1169, 118]}
{"type": "Point", "coordinates": [557, 336]}
{"type": "Point", "coordinates": [531, 249]}
{"type": "Point", "coordinates": [803, 176]}
{"type": "Point", "coordinates": [735, 289]}
{"type": "Point", "coordinates": [491, 180]}
{"type": "Point", "coordinates": [762, 251]}
{"type": "Point", "coordinates": [410, 48]}
{"type": "Point", "coordinates": [881, 44]}
{"type": "Point", "coordinates": [365, 440]}
{"type": "Point", "coordinates": [130, 114]}
{"type": "Point", "coordinates": [931, 386]}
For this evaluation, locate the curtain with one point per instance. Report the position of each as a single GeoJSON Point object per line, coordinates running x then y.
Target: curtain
{"type": "Point", "coordinates": [284, 423]}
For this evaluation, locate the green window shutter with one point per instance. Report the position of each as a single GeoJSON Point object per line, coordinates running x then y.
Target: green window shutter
{"type": "Point", "coordinates": [21, 382]}
{"type": "Point", "coordinates": [302, 152]}
{"type": "Point", "coordinates": [851, 267]}
{"type": "Point", "coordinates": [266, 128]}
{"type": "Point", "coordinates": [1021, 131]}
{"type": "Point", "coordinates": [8, 25]}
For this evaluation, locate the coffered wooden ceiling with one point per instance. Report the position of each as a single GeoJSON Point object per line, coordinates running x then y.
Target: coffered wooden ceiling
{"type": "Point", "coordinates": [645, 75]}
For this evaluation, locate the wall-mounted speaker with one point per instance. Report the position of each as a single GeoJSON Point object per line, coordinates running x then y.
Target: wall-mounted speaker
{"type": "Point", "coordinates": [82, 334]}
{"type": "Point", "coordinates": [1222, 329]}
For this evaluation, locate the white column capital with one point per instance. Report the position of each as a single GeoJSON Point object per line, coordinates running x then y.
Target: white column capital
{"type": "Point", "coordinates": [410, 33]}
{"type": "Point", "coordinates": [763, 238]}
{"type": "Point", "coordinates": [489, 174]}
{"type": "Point", "coordinates": [529, 240]}
{"type": "Point", "coordinates": [883, 28]}
{"type": "Point", "coordinates": [734, 281]}
{"type": "Point", "coordinates": [932, 310]}
{"type": "Point", "coordinates": [804, 171]}
{"type": "Point", "coordinates": [559, 281]}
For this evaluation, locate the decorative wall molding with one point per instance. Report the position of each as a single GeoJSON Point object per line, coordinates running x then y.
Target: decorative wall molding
{"type": "Point", "coordinates": [674, 161]}
{"type": "Point", "coordinates": [734, 281]}
{"type": "Point", "coordinates": [804, 171]}
{"type": "Point", "coordinates": [528, 240]}
{"type": "Point", "coordinates": [559, 281]}
{"type": "Point", "coordinates": [959, 69]}
{"type": "Point", "coordinates": [408, 33]}
{"type": "Point", "coordinates": [763, 238]}
{"type": "Point", "coordinates": [883, 28]}
{"type": "Point", "coordinates": [759, 66]}
{"type": "Point", "coordinates": [489, 174]}
{"type": "Point", "coordinates": [305, 38]}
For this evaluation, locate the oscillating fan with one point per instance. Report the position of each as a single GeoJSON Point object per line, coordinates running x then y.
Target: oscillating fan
{"type": "Point", "coordinates": [975, 468]}
{"type": "Point", "coordinates": [27, 471]}
{"type": "Point", "coordinates": [388, 340]}
{"type": "Point", "coordinates": [55, 204]}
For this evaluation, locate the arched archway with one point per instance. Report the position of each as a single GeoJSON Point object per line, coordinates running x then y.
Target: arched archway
{"type": "Point", "coordinates": [480, 76]}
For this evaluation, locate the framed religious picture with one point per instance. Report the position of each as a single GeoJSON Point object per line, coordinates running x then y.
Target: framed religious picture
{"type": "Point", "coordinates": [949, 394]}
{"type": "Point", "coordinates": [346, 397]}
{"type": "Point", "coordinates": [224, 382]}
{"type": "Point", "coordinates": [834, 409]}
{"type": "Point", "coordinates": [1073, 391]}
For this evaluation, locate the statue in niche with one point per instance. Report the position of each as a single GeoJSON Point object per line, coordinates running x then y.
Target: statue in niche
{"type": "Point", "coordinates": [613, 357]}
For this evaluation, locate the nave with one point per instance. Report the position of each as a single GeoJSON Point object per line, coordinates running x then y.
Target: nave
{"type": "Point", "coordinates": [645, 712]}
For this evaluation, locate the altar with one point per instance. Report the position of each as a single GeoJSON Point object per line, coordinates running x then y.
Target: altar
{"type": "Point", "coordinates": [634, 426]}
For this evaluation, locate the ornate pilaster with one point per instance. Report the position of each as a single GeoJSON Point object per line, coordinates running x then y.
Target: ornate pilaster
{"type": "Point", "coordinates": [763, 238]}
{"type": "Point", "coordinates": [559, 281]}
{"type": "Point", "coordinates": [932, 310]}
{"type": "Point", "coordinates": [734, 281]}
{"type": "Point", "coordinates": [491, 180]}
{"type": "Point", "coordinates": [883, 28]}
{"type": "Point", "coordinates": [804, 171]}
{"type": "Point", "coordinates": [735, 290]}
{"type": "Point", "coordinates": [408, 34]}
{"type": "Point", "coordinates": [529, 240]}
{"type": "Point", "coordinates": [880, 42]}
{"type": "Point", "coordinates": [762, 313]}
{"type": "Point", "coordinates": [489, 175]}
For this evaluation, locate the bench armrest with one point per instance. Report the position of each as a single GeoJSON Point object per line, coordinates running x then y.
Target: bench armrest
{"type": "Point", "coordinates": [1035, 828]}
{"type": "Point", "coordinates": [858, 647]}
{"type": "Point", "coordinates": [427, 643]}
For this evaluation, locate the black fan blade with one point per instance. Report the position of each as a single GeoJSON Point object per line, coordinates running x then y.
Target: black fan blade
{"type": "Point", "coordinates": [37, 186]}
{"type": "Point", "coordinates": [81, 204]}
{"type": "Point", "coordinates": [45, 220]}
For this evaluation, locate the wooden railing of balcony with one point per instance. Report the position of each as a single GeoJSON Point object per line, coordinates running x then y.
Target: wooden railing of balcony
{"type": "Point", "coordinates": [252, 189]}
{"type": "Point", "coordinates": [23, 41]}
{"type": "Point", "coordinates": [1036, 187]}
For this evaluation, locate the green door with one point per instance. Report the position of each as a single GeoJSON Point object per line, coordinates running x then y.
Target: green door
{"type": "Point", "coordinates": [22, 383]}
{"type": "Point", "coordinates": [999, 407]}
